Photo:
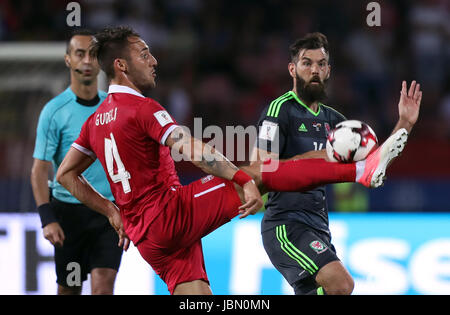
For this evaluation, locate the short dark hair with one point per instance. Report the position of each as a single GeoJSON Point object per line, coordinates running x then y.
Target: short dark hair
{"type": "Point", "coordinates": [109, 44]}
{"type": "Point", "coordinates": [78, 32]}
{"type": "Point", "coordinates": [314, 40]}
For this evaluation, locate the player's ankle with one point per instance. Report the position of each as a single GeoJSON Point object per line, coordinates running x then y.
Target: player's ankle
{"type": "Point", "coordinates": [360, 168]}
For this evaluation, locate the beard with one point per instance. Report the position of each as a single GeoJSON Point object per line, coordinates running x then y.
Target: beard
{"type": "Point", "coordinates": [311, 93]}
{"type": "Point", "coordinates": [139, 79]}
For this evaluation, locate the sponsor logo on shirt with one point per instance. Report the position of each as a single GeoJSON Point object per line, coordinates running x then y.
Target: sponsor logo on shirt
{"type": "Point", "coordinates": [318, 246]}
{"type": "Point", "coordinates": [302, 128]}
{"type": "Point", "coordinates": [317, 126]}
{"type": "Point", "coordinates": [207, 179]}
{"type": "Point", "coordinates": [163, 117]}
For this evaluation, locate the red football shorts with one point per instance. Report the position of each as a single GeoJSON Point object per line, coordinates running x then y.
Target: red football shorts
{"type": "Point", "coordinates": [172, 244]}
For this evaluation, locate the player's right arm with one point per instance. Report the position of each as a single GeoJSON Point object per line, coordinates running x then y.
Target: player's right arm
{"type": "Point", "coordinates": [70, 176]}
{"type": "Point", "coordinates": [215, 163]}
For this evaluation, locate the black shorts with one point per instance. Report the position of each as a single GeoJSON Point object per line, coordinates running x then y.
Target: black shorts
{"type": "Point", "coordinates": [298, 252]}
{"type": "Point", "coordinates": [90, 241]}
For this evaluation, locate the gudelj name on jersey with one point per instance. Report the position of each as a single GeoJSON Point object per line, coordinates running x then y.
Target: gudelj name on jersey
{"type": "Point", "coordinates": [105, 118]}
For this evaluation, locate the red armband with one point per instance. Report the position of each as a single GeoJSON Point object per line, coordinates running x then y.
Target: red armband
{"type": "Point", "coordinates": [241, 178]}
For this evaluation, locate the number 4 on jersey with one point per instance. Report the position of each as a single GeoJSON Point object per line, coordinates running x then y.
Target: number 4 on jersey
{"type": "Point", "coordinates": [111, 156]}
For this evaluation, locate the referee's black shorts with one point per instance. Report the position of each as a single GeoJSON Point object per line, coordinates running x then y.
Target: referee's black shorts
{"type": "Point", "coordinates": [298, 252]}
{"type": "Point", "coordinates": [90, 241]}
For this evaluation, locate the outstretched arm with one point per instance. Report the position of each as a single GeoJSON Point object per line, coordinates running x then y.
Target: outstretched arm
{"type": "Point", "coordinates": [70, 176]}
{"type": "Point", "coordinates": [408, 106]}
{"type": "Point", "coordinates": [215, 163]}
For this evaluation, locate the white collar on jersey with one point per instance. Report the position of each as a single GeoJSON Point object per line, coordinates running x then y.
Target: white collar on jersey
{"type": "Point", "coordinates": [115, 88]}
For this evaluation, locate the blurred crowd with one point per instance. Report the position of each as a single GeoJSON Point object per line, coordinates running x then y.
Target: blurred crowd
{"type": "Point", "coordinates": [225, 60]}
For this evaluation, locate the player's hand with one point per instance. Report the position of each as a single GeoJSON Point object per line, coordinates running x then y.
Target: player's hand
{"type": "Point", "coordinates": [54, 234]}
{"type": "Point", "coordinates": [253, 200]}
{"type": "Point", "coordinates": [409, 104]}
{"type": "Point", "coordinates": [116, 221]}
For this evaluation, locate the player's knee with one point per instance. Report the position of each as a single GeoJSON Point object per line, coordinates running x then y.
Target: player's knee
{"type": "Point", "coordinates": [335, 279]}
{"type": "Point", "coordinates": [63, 290]}
{"type": "Point", "coordinates": [343, 286]}
{"type": "Point", "coordinates": [346, 288]}
{"type": "Point", "coordinates": [102, 282]}
{"type": "Point", "coordinates": [102, 291]}
{"type": "Point", "coordinates": [105, 287]}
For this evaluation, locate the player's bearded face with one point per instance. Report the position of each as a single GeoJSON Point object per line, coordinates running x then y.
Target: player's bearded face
{"type": "Point", "coordinates": [313, 90]}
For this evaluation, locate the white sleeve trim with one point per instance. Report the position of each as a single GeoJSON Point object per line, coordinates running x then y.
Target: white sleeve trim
{"type": "Point", "coordinates": [167, 133]}
{"type": "Point", "coordinates": [84, 150]}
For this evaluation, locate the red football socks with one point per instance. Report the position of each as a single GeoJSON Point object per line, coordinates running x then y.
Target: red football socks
{"type": "Point", "coordinates": [305, 174]}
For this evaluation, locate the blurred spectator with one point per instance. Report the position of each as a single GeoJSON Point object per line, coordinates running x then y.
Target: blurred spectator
{"type": "Point", "coordinates": [145, 20]}
{"type": "Point", "coordinates": [100, 13]}
{"type": "Point", "coordinates": [247, 42]}
{"type": "Point", "coordinates": [182, 42]}
{"type": "Point", "coordinates": [179, 105]}
{"type": "Point", "coordinates": [444, 111]}
{"type": "Point", "coordinates": [430, 25]}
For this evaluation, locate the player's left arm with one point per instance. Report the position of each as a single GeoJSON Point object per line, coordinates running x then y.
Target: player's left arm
{"type": "Point", "coordinates": [202, 155]}
{"type": "Point", "coordinates": [70, 176]}
{"type": "Point", "coordinates": [408, 106]}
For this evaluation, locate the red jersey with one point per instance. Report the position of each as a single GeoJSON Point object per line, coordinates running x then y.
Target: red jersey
{"type": "Point", "coordinates": [127, 134]}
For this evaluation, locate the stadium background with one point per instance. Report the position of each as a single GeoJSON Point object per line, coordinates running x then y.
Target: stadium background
{"type": "Point", "coordinates": [224, 61]}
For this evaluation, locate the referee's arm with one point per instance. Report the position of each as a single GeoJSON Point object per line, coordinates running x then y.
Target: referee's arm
{"type": "Point", "coordinates": [39, 183]}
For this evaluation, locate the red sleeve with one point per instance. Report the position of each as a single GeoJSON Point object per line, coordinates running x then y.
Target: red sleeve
{"type": "Point", "coordinates": [82, 143]}
{"type": "Point", "coordinates": [156, 121]}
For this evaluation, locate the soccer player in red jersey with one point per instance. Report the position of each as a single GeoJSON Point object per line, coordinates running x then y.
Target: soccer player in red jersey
{"type": "Point", "coordinates": [133, 136]}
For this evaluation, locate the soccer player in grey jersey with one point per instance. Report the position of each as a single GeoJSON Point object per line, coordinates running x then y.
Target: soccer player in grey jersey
{"type": "Point", "coordinates": [295, 227]}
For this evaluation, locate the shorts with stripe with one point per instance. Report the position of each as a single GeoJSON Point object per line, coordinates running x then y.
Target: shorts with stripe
{"type": "Point", "coordinates": [298, 252]}
{"type": "Point", "coordinates": [172, 244]}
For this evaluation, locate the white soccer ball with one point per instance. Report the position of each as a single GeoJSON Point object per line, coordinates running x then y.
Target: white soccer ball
{"type": "Point", "coordinates": [350, 141]}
